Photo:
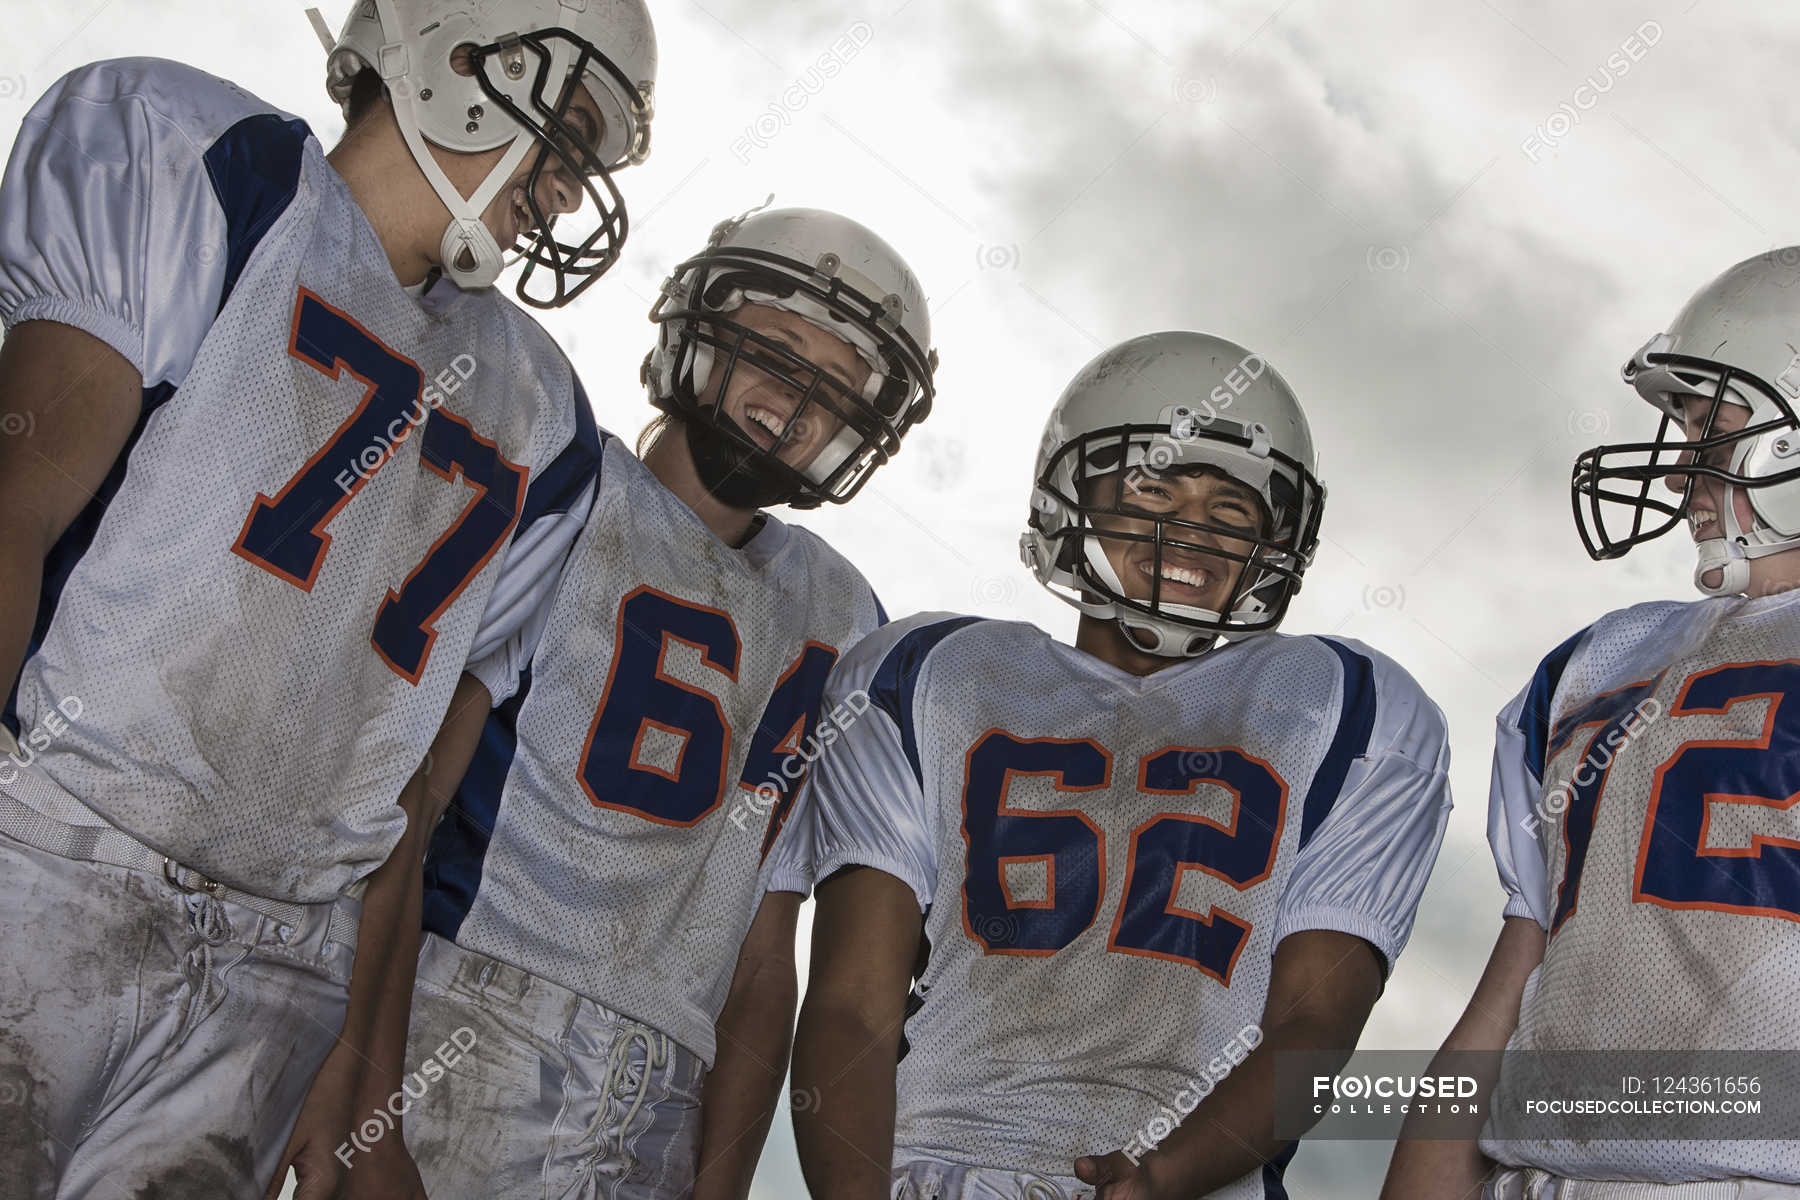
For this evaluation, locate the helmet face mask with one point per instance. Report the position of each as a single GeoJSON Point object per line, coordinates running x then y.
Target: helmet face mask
{"type": "Point", "coordinates": [475, 76]}
{"type": "Point", "coordinates": [1097, 480]}
{"type": "Point", "coordinates": [601, 222]}
{"type": "Point", "coordinates": [705, 346]}
{"type": "Point", "coordinates": [1731, 348]}
{"type": "Point", "coordinates": [1615, 487]}
{"type": "Point", "coordinates": [743, 359]}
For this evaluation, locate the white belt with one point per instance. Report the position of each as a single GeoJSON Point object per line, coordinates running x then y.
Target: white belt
{"type": "Point", "coordinates": [1528, 1182]}
{"type": "Point", "coordinates": [115, 847]}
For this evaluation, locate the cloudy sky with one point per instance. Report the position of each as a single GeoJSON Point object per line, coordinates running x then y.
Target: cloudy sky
{"type": "Point", "coordinates": [1447, 222]}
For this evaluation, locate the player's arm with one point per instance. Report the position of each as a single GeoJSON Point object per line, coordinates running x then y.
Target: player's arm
{"type": "Point", "coordinates": [381, 983]}
{"type": "Point", "coordinates": [755, 1030]}
{"type": "Point", "coordinates": [68, 403]}
{"type": "Point", "coordinates": [873, 845]}
{"type": "Point", "coordinates": [1320, 992]}
{"type": "Point", "coordinates": [1345, 915]}
{"type": "Point", "coordinates": [865, 937]}
{"type": "Point", "coordinates": [754, 1034]}
{"type": "Point", "coordinates": [366, 1065]}
{"type": "Point", "coordinates": [1456, 1170]}
{"type": "Point", "coordinates": [101, 205]}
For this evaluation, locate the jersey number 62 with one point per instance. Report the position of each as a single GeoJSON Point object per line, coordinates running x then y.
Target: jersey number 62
{"type": "Point", "coordinates": [1072, 848]}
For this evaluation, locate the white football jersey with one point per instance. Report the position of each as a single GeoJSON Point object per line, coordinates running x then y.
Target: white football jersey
{"type": "Point", "coordinates": [1106, 863]}
{"type": "Point", "coordinates": [1642, 813]}
{"type": "Point", "coordinates": [633, 802]}
{"type": "Point", "coordinates": [263, 613]}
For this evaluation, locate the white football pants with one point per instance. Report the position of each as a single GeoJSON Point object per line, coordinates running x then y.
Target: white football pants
{"type": "Point", "coordinates": [154, 1042]}
{"type": "Point", "coordinates": [546, 1093]}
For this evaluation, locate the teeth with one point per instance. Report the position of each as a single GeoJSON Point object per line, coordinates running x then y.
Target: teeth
{"type": "Point", "coordinates": [1182, 575]}
{"type": "Point", "coordinates": [765, 419]}
{"type": "Point", "coordinates": [1701, 516]}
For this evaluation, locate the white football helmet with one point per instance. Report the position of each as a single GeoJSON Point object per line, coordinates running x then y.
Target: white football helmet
{"type": "Point", "coordinates": [1735, 342]}
{"type": "Point", "coordinates": [834, 273]}
{"type": "Point", "coordinates": [1154, 404]}
{"type": "Point", "coordinates": [527, 55]}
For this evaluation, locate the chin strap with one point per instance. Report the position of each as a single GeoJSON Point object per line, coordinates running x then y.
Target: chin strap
{"type": "Point", "coordinates": [321, 30]}
{"type": "Point", "coordinates": [468, 252]}
{"type": "Point", "coordinates": [1166, 641]}
{"type": "Point", "coordinates": [1169, 639]}
{"type": "Point", "coordinates": [1730, 555]}
{"type": "Point", "coordinates": [1727, 558]}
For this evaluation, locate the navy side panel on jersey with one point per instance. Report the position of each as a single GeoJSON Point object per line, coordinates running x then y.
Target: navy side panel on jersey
{"type": "Point", "coordinates": [1356, 721]}
{"type": "Point", "coordinates": [255, 170]}
{"type": "Point", "coordinates": [558, 486]}
{"type": "Point", "coordinates": [459, 843]}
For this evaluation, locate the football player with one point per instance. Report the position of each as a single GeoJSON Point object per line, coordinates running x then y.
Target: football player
{"type": "Point", "coordinates": [611, 900]}
{"type": "Point", "coordinates": [1641, 812]}
{"type": "Point", "coordinates": [282, 473]}
{"type": "Point", "coordinates": [1124, 874]}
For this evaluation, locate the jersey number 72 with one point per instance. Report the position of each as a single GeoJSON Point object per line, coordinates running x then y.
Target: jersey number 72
{"type": "Point", "coordinates": [1679, 864]}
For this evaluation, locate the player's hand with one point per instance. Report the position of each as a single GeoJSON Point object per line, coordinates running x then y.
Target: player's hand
{"type": "Point", "coordinates": [386, 1172]}
{"type": "Point", "coordinates": [1115, 1177]}
{"type": "Point", "coordinates": [322, 1127]}
{"type": "Point", "coordinates": [327, 1164]}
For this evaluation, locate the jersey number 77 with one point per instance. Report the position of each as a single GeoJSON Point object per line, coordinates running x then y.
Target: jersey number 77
{"type": "Point", "coordinates": [285, 534]}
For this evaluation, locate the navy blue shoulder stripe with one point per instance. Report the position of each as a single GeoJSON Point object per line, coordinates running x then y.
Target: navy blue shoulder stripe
{"type": "Point", "coordinates": [558, 486]}
{"type": "Point", "coordinates": [897, 679]}
{"type": "Point", "coordinates": [255, 171]}
{"type": "Point", "coordinates": [881, 617]}
{"type": "Point", "coordinates": [458, 850]}
{"type": "Point", "coordinates": [1534, 718]}
{"type": "Point", "coordinates": [1356, 724]}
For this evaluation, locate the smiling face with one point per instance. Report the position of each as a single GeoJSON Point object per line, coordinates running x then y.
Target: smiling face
{"type": "Point", "coordinates": [1709, 493]}
{"type": "Point", "coordinates": [761, 404]}
{"type": "Point", "coordinates": [1191, 576]}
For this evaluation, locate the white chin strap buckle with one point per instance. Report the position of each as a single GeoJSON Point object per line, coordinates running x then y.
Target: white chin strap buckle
{"type": "Point", "coordinates": [471, 256]}
{"type": "Point", "coordinates": [1726, 558]}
